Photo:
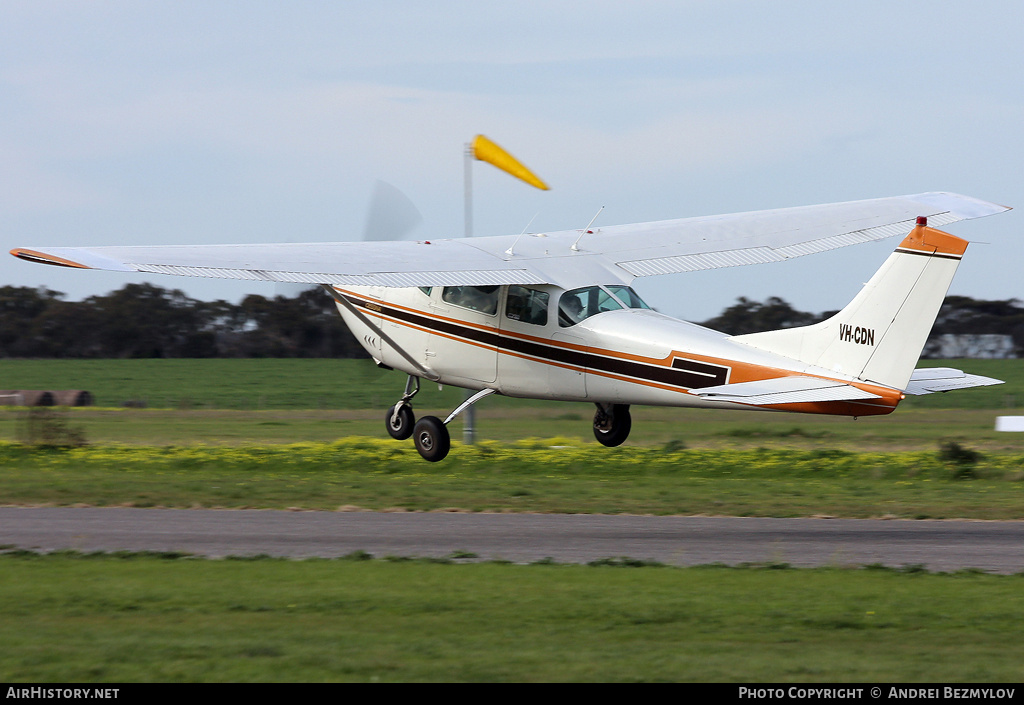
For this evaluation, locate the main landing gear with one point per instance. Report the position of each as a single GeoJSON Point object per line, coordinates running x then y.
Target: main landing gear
{"type": "Point", "coordinates": [430, 434]}
{"type": "Point", "coordinates": [612, 424]}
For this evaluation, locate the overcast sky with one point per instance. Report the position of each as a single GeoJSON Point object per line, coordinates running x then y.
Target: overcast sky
{"type": "Point", "coordinates": [215, 122]}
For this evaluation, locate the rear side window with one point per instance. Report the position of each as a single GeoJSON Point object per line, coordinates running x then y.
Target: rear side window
{"type": "Point", "coordinates": [527, 305]}
{"type": "Point", "coordinates": [476, 298]}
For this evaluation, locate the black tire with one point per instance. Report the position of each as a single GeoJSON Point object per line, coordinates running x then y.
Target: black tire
{"type": "Point", "coordinates": [401, 427]}
{"type": "Point", "coordinates": [431, 438]}
{"type": "Point", "coordinates": [613, 429]}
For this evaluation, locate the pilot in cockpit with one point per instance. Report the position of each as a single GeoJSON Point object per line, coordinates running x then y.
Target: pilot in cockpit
{"type": "Point", "coordinates": [570, 310]}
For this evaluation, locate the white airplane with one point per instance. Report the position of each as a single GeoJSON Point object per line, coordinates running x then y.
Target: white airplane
{"type": "Point", "coordinates": [552, 315]}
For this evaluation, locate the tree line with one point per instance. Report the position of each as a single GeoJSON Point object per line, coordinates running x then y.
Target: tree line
{"type": "Point", "coordinates": [147, 321]}
{"type": "Point", "coordinates": [958, 315]}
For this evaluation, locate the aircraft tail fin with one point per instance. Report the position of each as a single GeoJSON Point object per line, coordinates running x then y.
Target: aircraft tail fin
{"type": "Point", "coordinates": [879, 336]}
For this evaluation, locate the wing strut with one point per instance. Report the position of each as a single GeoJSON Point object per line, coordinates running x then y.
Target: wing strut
{"type": "Point", "coordinates": [433, 376]}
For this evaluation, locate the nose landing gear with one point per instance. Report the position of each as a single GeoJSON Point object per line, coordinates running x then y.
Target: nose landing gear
{"type": "Point", "coordinates": [400, 419]}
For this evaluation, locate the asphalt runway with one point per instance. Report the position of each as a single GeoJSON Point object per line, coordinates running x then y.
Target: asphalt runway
{"type": "Point", "coordinates": [994, 546]}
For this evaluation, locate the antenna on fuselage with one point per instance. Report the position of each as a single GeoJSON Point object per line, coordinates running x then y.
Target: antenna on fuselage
{"type": "Point", "coordinates": [586, 230]}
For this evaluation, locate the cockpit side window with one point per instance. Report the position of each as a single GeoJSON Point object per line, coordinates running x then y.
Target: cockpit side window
{"type": "Point", "coordinates": [580, 304]}
{"type": "Point", "coordinates": [527, 305]}
{"type": "Point", "coordinates": [476, 298]}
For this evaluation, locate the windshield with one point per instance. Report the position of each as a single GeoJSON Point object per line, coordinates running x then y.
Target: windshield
{"type": "Point", "coordinates": [627, 296]}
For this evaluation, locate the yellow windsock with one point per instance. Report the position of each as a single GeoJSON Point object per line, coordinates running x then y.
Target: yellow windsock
{"type": "Point", "coordinates": [487, 151]}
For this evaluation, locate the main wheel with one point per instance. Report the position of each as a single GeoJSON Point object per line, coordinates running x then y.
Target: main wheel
{"type": "Point", "coordinates": [400, 426]}
{"type": "Point", "coordinates": [611, 428]}
{"type": "Point", "coordinates": [431, 438]}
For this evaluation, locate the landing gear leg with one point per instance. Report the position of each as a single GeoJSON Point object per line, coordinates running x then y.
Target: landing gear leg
{"type": "Point", "coordinates": [431, 433]}
{"type": "Point", "coordinates": [612, 424]}
{"type": "Point", "coordinates": [400, 419]}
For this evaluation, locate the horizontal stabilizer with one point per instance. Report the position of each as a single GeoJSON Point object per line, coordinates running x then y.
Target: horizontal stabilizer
{"type": "Point", "coordinates": [785, 390]}
{"type": "Point", "coordinates": [926, 380]}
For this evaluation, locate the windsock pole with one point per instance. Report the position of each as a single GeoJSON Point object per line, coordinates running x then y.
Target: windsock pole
{"type": "Point", "coordinates": [483, 149]}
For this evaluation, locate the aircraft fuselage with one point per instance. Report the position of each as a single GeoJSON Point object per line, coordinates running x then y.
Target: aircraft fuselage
{"type": "Point", "coordinates": [628, 355]}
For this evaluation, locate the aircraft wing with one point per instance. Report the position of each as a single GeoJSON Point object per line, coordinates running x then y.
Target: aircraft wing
{"type": "Point", "coordinates": [926, 380]}
{"type": "Point", "coordinates": [395, 264]}
{"type": "Point", "coordinates": [567, 258]}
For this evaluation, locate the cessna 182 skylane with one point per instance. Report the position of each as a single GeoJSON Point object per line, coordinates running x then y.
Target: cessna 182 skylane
{"type": "Point", "coordinates": [553, 316]}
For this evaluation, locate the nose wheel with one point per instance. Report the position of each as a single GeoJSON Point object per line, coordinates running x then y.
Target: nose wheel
{"type": "Point", "coordinates": [400, 421]}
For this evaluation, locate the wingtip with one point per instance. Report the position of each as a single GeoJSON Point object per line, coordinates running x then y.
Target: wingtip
{"type": "Point", "coordinates": [963, 207]}
{"type": "Point", "coordinates": [42, 258]}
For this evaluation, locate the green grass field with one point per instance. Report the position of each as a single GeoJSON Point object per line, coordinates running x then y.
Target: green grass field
{"type": "Point", "coordinates": [677, 461]}
{"type": "Point", "coordinates": [309, 433]}
{"type": "Point", "coordinates": [258, 384]}
{"type": "Point", "coordinates": [126, 618]}
{"type": "Point", "coordinates": [250, 384]}
{"type": "Point", "coordinates": [284, 401]}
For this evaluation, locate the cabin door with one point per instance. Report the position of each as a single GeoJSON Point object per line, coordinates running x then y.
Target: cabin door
{"type": "Point", "coordinates": [462, 346]}
{"type": "Point", "coordinates": [537, 359]}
